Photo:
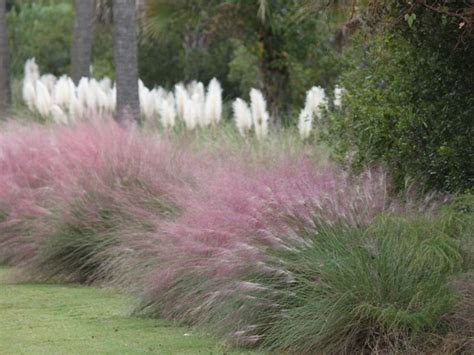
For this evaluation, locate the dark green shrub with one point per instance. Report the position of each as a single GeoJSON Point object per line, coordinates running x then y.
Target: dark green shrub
{"type": "Point", "coordinates": [43, 32]}
{"type": "Point", "coordinates": [409, 104]}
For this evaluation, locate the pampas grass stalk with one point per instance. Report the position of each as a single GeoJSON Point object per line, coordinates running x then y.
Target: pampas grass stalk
{"type": "Point", "coordinates": [315, 100]}
{"type": "Point", "coordinates": [242, 117]}
{"type": "Point", "coordinates": [213, 109]}
{"type": "Point", "coordinates": [260, 115]}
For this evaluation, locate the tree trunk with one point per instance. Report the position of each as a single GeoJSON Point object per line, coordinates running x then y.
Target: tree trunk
{"type": "Point", "coordinates": [275, 89]}
{"type": "Point", "coordinates": [275, 75]}
{"type": "Point", "coordinates": [5, 93]}
{"type": "Point", "coordinates": [126, 65]}
{"type": "Point", "coordinates": [81, 49]}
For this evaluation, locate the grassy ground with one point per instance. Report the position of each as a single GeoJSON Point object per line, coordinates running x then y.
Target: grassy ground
{"type": "Point", "coordinates": [70, 319]}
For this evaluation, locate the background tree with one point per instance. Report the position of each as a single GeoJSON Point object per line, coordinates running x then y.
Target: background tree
{"type": "Point", "coordinates": [126, 64]}
{"type": "Point", "coordinates": [275, 32]}
{"type": "Point", "coordinates": [408, 99]}
{"type": "Point", "coordinates": [5, 94]}
{"type": "Point", "coordinates": [81, 49]}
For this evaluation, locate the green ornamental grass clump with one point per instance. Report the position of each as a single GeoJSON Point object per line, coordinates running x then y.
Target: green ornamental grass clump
{"type": "Point", "coordinates": [381, 287]}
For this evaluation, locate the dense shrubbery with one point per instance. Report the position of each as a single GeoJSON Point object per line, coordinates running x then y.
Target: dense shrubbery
{"type": "Point", "coordinates": [409, 103]}
{"type": "Point", "coordinates": [275, 250]}
{"type": "Point", "coordinates": [44, 31]}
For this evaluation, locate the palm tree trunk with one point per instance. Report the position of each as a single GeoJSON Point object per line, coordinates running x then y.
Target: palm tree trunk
{"type": "Point", "coordinates": [81, 49]}
{"type": "Point", "coordinates": [126, 64]}
{"type": "Point", "coordinates": [5, 93]}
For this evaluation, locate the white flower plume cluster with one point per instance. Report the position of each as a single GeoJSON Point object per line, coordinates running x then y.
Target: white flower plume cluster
{"type": "Point", "coordinates": [256, 115]}
{"type": "Point", "coordinates": [315, 101]}
{"type": "Point", "coordinates": [64, 102]}
{"type": "Point", "coordinates": [61, 100]}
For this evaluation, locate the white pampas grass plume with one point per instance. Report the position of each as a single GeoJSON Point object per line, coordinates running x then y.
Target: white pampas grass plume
{"type": "Point", "coordinates": [193, 88]}
{"type": "Point", "coordinates": [105, 84]}
{"type": "Point", "coordinates": [305, 123]}
{"type": "Point", "coordinates": [63, 90]}
{"type": "Point", "coordinates": [76, 109]}
{"type": "Point", "coordinates": [29, 94]}
{"type": "Point", "coordinates": [58, 115]}
{"type": "Point", "coordinates": [102, 100]}
{"type": "Point", "coordinates": [338, 96]}
{"type": "Point", "coordinates": [181, 97]}
{"type": "Point", "coordinates": [189, 114]}
{"type": "Point", "coordinates": [92, 95]}
{"type": "Point", "coordinates": [242, 116]}
{"type": "Point", "coordinates": [170, 98]}
{"type": "Point", "coordinates": [49, 80]}
{"type": "Point", "coordinates": [213, 109]}
{"type": "Point", "coordinates": [31, 70]}
{"type": "Point", "coordinates": [197, 88]}
{"type": "Point", "coordinates": [158, 96]}
{"type": "Point", "coordinates": [260, 115]}
{"type": "Point", "coordinates": [82, 91]}
{"type": "Point", "coordinates": [199, 107]}
{"type": "Point", "coordinates": [167, 114]}
{"type": "Point", "coordinates": [196, 94]}
{"type": "Point", "coordinates": [315, 99]}
{"type": "Point", "coordinates": [42, 99]}
{"type": "Point", "coordinates": [147, 105]}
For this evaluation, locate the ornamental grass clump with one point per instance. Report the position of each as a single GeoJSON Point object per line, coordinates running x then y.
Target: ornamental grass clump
{"type": "Point", "coordinates": [384, 287]}
{"type": "Point", "coordinates": [70, 194]}
{"type": "Point", "coordinates": [29, 165]}
{"type": "Point", "coordinates": [126, 185]}
{"type": "Point", "coordinates": [206, 253]}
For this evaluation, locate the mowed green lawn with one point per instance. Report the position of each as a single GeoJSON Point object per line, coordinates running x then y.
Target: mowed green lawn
{"type": "Point", "coordinates": [71, 319]}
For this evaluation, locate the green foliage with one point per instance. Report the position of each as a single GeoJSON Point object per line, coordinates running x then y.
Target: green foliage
{"type": "Point", "coordinates": [160, 61]}
{"type": "Point", "coordinates": [458, 218]}
{"type": "Point", "coordinates": [70, 253]}
{"type": "Point", "coordinates": [103, 52]}
{"type": "Point", "coordinates": [43, 32]}
{"type": "Point", "coordinates": [411, 107]}
{"type": "Point", "coordinates": [385, 287]}
{"type": "Point", "coordinates": [281, 46]}
{"type": "Point", "coordinates": [243, 69]}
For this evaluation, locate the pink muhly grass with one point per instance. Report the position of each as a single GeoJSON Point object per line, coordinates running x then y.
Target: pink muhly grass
{"type": "Point", "coordinates": [28, 164]}
{"type": "Point", "coordinates": [95, 165]}
{"type": "Point", "coordinates": [212, 246]}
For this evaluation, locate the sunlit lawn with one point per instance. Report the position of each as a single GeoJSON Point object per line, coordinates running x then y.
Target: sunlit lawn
{"type": "Point", "coordinates": [70, 319]}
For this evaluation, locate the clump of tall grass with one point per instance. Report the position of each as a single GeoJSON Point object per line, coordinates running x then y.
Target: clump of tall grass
{"type": "Point", "coordinates": [88, 186]}
{"type": "Point", "coordinates": [28, 164]}
{"type": "Point", "coordinates": [384, 287]}
{"type": "Point", "coordinates": [248, 210]}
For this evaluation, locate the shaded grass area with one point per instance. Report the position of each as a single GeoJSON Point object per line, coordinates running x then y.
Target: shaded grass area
{"type": "Point", "coordinates": [71, 319]}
